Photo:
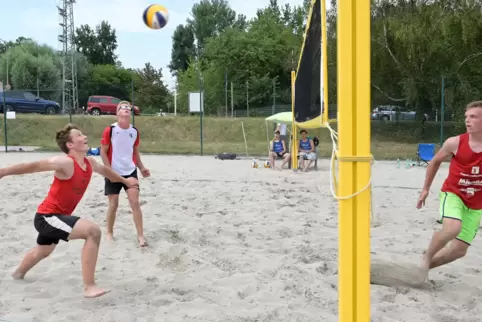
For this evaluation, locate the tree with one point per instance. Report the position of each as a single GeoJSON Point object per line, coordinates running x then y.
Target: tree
{"type": "Point", "coordinates": [38, 68]}
{"type": "Point", "coordinates": [109, 80]}
{"type": "Point", "coordinates": [29, 62]}
{"type": "Point", "coordinates": [5, 45]}
{"type": "Point", "coordinates": [254, 58]}
{"type": "Point", "coordinates": [414, 43]}
{"type": "Point", "coordinates": [182, 49]}
{"type": "Point", "coordinates": [97, 45]}
{"type": "Point", "coordinates": [210, 18]}
{"type": "Point", "coordinates": [151, 93]}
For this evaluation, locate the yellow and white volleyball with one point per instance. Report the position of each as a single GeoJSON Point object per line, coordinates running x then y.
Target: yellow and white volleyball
{"type": "Point", "coordinates": [156, 16]}
{"type": "Point", "coordinates": [254, 164]}
{"type": "Point", "coordinates": [267, 164]}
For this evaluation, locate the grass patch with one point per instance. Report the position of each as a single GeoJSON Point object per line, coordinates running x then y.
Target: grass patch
{"type": "Point", "coordinates": [181, 135]}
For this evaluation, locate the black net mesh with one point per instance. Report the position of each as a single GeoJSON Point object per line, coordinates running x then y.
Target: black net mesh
{"type": "Point", "coordinates": [307, 84]}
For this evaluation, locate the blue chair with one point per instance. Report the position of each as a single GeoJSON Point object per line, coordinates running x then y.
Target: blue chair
{"type": "Point", "coordinates": [425, 152]}
{"type": "Point", "coordinates": [93, 151]}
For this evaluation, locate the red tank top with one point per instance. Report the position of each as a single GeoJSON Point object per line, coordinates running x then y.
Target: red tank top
{"type": "Point", "coordinates": [465, 175]}
{"type": "Point", "coordinates": [64, 195]}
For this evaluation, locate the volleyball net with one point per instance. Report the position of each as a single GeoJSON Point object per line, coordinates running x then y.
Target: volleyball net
{"type": "Point", "coordinates": [310, 99]}
{"type": "Point", "coordinates": [310, 80]}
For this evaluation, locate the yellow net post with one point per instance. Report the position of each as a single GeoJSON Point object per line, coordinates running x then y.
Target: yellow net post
{"type": "Point", "coordinates": [353, 56]}
{"type": "Point", "coordinates": [294, 143]}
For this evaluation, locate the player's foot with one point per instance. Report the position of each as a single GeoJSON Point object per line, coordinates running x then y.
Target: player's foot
{"type": "Point", "coordinates": [110, 237]}
{"type": "Point", "coordinates": [18, 275]}
{"type": "Point", "coordinates": [424, 268]}
{"type": "Point", "coordinates": [142, 241]}
{"type": "Point", "coordinates": [94, 291]}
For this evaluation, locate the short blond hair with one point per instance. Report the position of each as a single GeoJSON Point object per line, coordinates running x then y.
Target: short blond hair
{"type": "Point", "coordinates": [473, 104]}
{"type": "Point", "coordinates": [121, 103]}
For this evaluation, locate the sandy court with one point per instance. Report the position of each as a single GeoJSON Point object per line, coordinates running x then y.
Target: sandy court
{"type": "Point", "coordinates": [228, 243]}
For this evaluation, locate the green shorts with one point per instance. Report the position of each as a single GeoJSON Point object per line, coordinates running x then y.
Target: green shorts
{"type": "Point", "coordinates": [451, 206]}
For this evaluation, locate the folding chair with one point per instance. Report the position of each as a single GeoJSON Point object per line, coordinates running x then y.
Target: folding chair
{"type": "Point", "coordinates": [425, 152]}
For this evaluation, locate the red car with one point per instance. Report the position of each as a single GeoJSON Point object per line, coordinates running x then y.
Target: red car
{"type": "Point", "coordinates": [100, 104]}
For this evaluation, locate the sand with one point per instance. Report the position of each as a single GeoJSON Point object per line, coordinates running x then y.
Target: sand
{"type": "Point", "coordinates": [229, 243]}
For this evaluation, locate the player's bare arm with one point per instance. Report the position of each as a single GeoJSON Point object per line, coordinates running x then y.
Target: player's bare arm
{"type": "Point", "coordinates": [103, 154]}
{"type": "Point", "coordinates": [62, 166]}
{"type": "Point", "coordinates": [145, 172]}
{"type": "Point", "coordinates": [448, 149]}
{"type": "Point", "coordinates": [110, 174]}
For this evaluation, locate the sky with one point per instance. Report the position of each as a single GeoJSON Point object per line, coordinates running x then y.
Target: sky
{"type": "Point", "coordinates": [137, 44]}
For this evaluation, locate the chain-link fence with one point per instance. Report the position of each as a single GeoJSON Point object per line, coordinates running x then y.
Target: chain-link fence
{"type": "Point", "coordinates": [233, 119]}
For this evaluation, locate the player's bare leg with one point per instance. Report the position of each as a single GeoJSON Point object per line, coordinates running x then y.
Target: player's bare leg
{"type": "Point", "coordinates": [32, 258]}
{"type": "Point", "coordinates": [286, 159]}
{"type": "Point", "coordinates": [111, 215]}
{"type": "Point", "coordinates": [455, 250]}
{"type": "Point", "coordinates": [272, 160]}
{"type": "Point", "coordinates": [450, 230]}
{"type": "Point", "coordinates": [133, 196]}
{"type": "Point", "coordinates": [91, 233]}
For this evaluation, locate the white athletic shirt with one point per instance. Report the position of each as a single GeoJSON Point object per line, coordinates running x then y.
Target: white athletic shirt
{"type": "Point", "coordinates": [121, 148]}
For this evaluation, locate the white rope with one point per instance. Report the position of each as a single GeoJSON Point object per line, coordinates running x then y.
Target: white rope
{"type": "Point", "coordinates": [334, 139]}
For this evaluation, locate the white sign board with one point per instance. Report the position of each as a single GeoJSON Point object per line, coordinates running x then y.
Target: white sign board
{"type": "Point", "coordinates": [196, 102]}
{"type": "Point", "coordinates": [10, 115]}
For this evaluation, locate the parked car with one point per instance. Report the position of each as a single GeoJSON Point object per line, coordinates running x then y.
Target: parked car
{"type": "Point", "coordinates": [100, 104]}
{"type": "Point", "coordinates": [389, 112]}
{"type": "Point", "coordinates": [26, 102]}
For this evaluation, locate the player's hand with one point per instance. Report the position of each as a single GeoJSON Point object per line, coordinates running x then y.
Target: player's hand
{"type": "Point", "coordinates": [145, 172]}
{"type": "Point", "coordinates": [131, 182]}
{"type": "Point", "coordinates": [421, 199]}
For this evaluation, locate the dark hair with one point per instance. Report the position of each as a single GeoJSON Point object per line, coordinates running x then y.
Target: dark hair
{"type": "Point", "coordinates": [277, 132]}
{"type": "Point", "coordinates": [303, 131]}
{"type": "Point", "coordinates": [63, 137]}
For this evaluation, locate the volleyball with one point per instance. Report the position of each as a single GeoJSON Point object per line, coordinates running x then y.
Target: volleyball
{"type": "Point", "coordinates": [266, 164]}
{"type": "Point", "coordinates": [254, 164]}
{"type": "Point", "coordinates": [156, 16]}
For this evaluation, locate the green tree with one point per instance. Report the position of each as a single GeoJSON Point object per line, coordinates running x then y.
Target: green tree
{"type": "Point", "coordinates": [151, 93]}
{"type": "Point", "coordinates": [29, 62]}
{"type": "Point", "coordinates": [414, 43]}
{"type": "Point", "coordinates": [182, 49]}
{"type": "Point", "coordinates": [255, 59]}
{"type": "Point", "coordinates": [98, 45]}
{"type": "Point", "coordinates": [109, 80]}
{"type": "Point", "coordinates": [210, 18]}
{"type": "Point", "coordinates": [5, 45]}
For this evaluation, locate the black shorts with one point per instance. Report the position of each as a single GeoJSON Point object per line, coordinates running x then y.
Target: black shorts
{"type": "Point", "coordinates": [280, 154]}
{"type": "Point", "coordinates": [53, 227]}
{"type": "Point", "coordinates": [114, 188]}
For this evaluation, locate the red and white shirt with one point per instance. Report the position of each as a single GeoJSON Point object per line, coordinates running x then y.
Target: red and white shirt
{"type": "Point", "coordinates": [121, 147]}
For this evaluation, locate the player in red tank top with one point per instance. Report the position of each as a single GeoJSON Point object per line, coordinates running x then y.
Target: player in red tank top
{"type": "Point", "coordinates": [460, 195]}
{"type": "Point", "coordinates": [54, 220]}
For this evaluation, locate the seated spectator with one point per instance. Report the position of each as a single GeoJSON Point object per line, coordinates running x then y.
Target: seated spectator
{"type": "Point", "coordinates": [306, 151]}
{"type": "Point", "coordinates": [278, 150]}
